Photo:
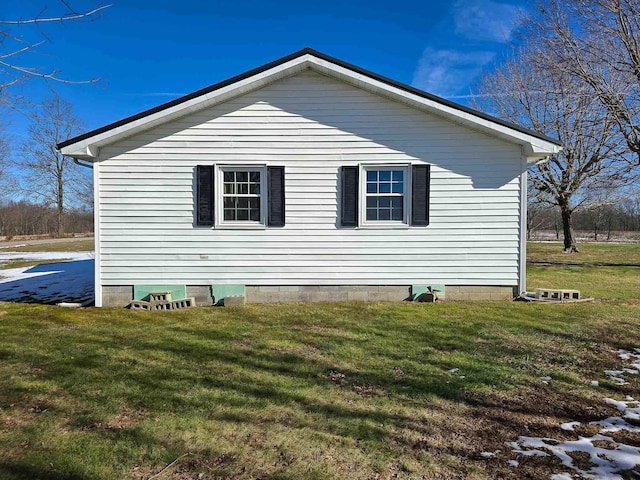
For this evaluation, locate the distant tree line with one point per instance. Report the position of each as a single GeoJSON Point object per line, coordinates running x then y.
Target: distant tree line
{"type": "Point", "coordinates": [26, 218]}
{"type": "Point", "coordinates": [601, 222]}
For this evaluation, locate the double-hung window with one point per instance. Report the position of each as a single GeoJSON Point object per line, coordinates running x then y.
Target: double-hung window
{"type": "Point", "coordinates": [379, 195]}
{"type": "Point", "coordinates": [242, 194]}
{"type": "Point", "coordinates": [239, 196]}
{"type": "Point", "coordinates": [384, 194]}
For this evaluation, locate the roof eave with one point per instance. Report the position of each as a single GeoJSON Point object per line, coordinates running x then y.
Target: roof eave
{"type": "Point", "coordinates": [86, 146]}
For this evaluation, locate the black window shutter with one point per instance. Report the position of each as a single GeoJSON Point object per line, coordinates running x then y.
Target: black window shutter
{"type": "Point", "coordinates": [420, 180]}
{"type": "Point", "coordinates": [275, 196]}
{"type": "Point", "coordinates": [204, 195]}
{"type": "Point", "coordinates": [349, 203]}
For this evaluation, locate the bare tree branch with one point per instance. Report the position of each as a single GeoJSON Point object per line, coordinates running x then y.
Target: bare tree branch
{"type": "Point", "coordinates": [62, 18]}
{"type": "Point", "coordinates": [545, 97]}
{"type": "Point", "coordinates": [597, 42]}
{"type": "Point", "coordinates": [15, 65]}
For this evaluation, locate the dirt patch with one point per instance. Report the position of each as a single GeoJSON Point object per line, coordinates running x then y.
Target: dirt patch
{"type": "Point", "coordinates": [368, 391]}
{"type": "Point", "coordinates": [307, 351]}
{"type": "Point", "coordinates": [243, 343]}
{"type": "Point", "coordinates": [127, 418]}
{"type": "Point", "coordinates": [191, 467]}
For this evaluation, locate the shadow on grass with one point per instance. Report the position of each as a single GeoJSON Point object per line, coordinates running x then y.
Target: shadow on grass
{"type": "Point", "coordinates": [19, 470]}
{"type": "Point", "coordinates": [316, 375]}
{"type": "Point", "coordinates": [199, 370]}
{"type": "Point", "coordinates": [551, 263]}
{"type": "Point", "coordinates": [54, 283]}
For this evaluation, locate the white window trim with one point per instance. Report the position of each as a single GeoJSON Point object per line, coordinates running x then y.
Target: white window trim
{"type": "Point", "coordinates": [362, 196]}
{"type": "Point", "coordinates": [220, 223]}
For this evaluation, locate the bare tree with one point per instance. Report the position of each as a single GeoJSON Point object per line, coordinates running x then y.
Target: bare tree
{"type": "Point", "coordinates": [597, 42]}
{"type": "Point", "coordinates": [4, 154]}
{"type": "Point", "coordinates": [528, 91]}
{"type": "Point", "coordinates": [14, 49]}
{"type": "Point", "coordinates": [49, 177]}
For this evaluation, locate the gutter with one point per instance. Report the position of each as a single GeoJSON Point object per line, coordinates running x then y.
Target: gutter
{"type": "Point", "coordinates": [79, 162]}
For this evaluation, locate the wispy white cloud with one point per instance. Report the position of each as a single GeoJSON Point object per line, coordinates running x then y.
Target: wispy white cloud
{"type": "Point", "coordinates": [485, 20]}
{"type": "Point", "coordinates": [481, 29]}
{"type": "Point", "coordinates": [446, 72]}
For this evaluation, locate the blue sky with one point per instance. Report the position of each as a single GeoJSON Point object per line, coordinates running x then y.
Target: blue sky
{"type": "Point", "coordinates": [149, 52]}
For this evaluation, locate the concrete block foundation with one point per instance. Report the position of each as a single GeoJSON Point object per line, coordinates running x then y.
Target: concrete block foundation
{"type": "Point", "coordinates": [120, 296]}
{"type": "Point", "coordinates": [117, 296]}
{"type": "Point", "coordinates": [201, 294]}
{"type": "Point", "coordinates": [327, 293]}
{"type": "Point", "coordinates": [463, 292]}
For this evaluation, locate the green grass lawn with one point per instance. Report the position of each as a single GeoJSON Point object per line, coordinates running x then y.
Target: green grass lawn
{"type": "Point", "coordinates": [84, 245]}
{"type": "Point", "coordinates": [346, 390]}
{"type": "Point", "coordinates": [600, 254]}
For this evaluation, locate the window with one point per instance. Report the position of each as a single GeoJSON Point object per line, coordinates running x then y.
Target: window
{"type": "Point", "coordinates": [239, 196]}
{"type": "Point", "coordinates": [385, 195]}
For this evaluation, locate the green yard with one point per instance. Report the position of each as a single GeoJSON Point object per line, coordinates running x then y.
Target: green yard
{"type": "Point", "coordinates": [82, 245]}
{"type": "Point", "coordinates": [349, 390]}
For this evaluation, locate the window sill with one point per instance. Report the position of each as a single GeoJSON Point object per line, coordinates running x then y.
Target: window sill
{"type": "Point", "coordinates": [384, 226]}
{"type": "Point", "coordinates": [242, 226]}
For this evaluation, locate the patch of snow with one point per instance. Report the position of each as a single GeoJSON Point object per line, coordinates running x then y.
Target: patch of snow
{"type": "Point", "coordinates": [6, 256]}
{"type": "Point", "coordinates": [615, 424]}
{"type": "Point", "coordinates": [454, 370]}
{"type": "Point", "coordinates": [624, 406]}
{"type": "Point", "coordinates": [527, 453]}
{"type": "Point", "coordinates": [614, 376]}
{"type": "Point", "coordinates": [14, 246]}
{"type": "Point", "coordinates": [606, 461]}
{"type": "Point", "coordinates": [632, 369]}
{"type": "Point", "coordinates": [514, 463]}
{"type": "Point", "coordinates": [68, 281]}
{"type": "Point", "coordinates": [569, 426]}
{"type": "Point", "coordinates": [545, 378]}
{"type": "Point", "coordinates": [595, 383]}
{"type": "Point", "coordinates": [631, 411]}
{"type": "Point", "coordinates": [489, 454]}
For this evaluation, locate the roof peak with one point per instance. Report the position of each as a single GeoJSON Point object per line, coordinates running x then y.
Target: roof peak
{"type": "Point", "coordinates": [288, 58]}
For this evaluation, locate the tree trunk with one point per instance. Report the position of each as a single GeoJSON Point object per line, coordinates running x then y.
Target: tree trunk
{"type": "Point", "coordinates": [60, 216]}
{"type": "Point", "coordinates": [567, 228]}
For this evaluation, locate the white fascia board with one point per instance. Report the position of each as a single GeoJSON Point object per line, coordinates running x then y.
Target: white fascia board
{"type": "Point", "coordinates": [535, 149]}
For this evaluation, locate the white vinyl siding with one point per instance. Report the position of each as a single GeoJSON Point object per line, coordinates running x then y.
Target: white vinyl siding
{"type": "Point", "coordinates": [312, 125]}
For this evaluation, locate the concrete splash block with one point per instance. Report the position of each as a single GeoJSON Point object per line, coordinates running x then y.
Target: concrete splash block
{"type": "Point", "coordinates": [557, 294]}
{"type": "Point", "coordinates": [163, 304]}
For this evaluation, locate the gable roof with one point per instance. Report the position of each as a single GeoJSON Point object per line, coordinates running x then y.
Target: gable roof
{"type": "Point", "coordinates": [86, 146]}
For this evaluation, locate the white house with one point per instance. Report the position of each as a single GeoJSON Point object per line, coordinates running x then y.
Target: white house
{"type": "Point", "coordinates": [309, 179]}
